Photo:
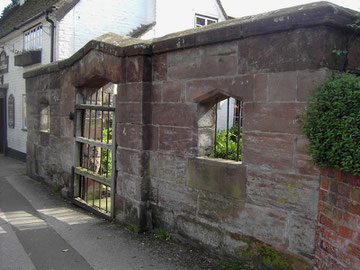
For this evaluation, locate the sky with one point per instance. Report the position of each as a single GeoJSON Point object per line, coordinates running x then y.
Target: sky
{"type": "Point", "coordinates": [238, 8]}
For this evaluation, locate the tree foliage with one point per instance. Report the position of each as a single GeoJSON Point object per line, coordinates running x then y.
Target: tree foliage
{"type": "Point", "coordinates": [9, 7]}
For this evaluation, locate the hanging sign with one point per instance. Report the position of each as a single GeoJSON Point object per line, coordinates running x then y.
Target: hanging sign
{"type": "Point", "coordinates": [11, 111]}
{"type": "Point", "coordinates": [4, 62]}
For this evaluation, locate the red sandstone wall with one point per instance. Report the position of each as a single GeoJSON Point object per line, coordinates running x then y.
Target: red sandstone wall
{"type": "Point", "coordinates": [338, 231]}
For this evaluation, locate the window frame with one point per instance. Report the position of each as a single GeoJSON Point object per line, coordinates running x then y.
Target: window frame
{"type": "Point", "coordinates": [32, 38]}
{"type": "Point", "coordinates": [206, 18]}
{"type": "Point", "coordinates": [45, 114]}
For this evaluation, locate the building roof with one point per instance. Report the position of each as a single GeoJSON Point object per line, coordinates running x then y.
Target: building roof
{"type": "Point", "coordinates": [21, 15]}
{"type": "Point", "coordinates": [223, 10]}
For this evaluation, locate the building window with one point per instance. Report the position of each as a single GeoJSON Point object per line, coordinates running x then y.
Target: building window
{"type": "Point", "coordinates": [201, 20]}
{"type": "Point", "coordinates": [24, 125]}
{"type": "Point", "coordinates": [44, 116]}
{"type": "Point", "coordinates": [33, 38]}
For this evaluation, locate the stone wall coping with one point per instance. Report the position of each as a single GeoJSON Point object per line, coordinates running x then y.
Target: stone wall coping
{"type": "Point", "coordinates": [302, 16]}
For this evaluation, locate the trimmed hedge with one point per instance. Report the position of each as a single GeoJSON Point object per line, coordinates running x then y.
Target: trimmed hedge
{"type": "Point", "coordinates": [331, 122]}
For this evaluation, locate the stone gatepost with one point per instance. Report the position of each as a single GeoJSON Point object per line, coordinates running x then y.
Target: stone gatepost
{"type": "Point", "coordinates": [132, 136]}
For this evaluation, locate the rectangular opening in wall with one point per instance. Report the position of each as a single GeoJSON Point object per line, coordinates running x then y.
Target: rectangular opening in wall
{"type": "Point", "coordinates": [228, 129]}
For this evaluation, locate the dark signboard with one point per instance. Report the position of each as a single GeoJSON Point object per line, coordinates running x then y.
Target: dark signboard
{"type": "Point", "coordinates": [4, 62]}
{"type": "Point", "coordinates": [11, 111]}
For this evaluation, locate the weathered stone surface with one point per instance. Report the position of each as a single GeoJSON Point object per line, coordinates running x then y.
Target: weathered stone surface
{"type": "Point", "coordinates": [96, 69]}
{"type": "Point", "coordinates": [162, 217]}
{"type": "Point", "coordinates": [202, 233]}
{"type": "Point", "coordinates": [295, 53]}
{"type": "Point", "coordinates": [129, 136]}
{"type": "Point", "coordinates": [178, 140]}
{"type": "Point", "coordinates": [138, 69]}
{"type": "Point", "coordinates": [133, 92]}
{"type": "Point", "coordinates": [156, 92]}
{"type": "Point", "coordinates": [203, 62]}
{"type": "Point", "coordinates": [272, 117]}
{"type": "Point", "coordinates": [174, 197]}
{"type": "Point", "coordinates": [307, 80]}
{"type": "Point", "coordinates": [261, 87]}
{"type": "Point", "coordinates": [272, 151]}
{"type": "Point", "coordinates": [159, 67]}
{"type": "Point", "coordinates": [217, 208]}
{"type": "Point", "coordinates": [302, 158]}
{"type": "Point", "coordinates": [173, 91]}
{"type": "Point", "coordinates": [150, 138]}
{"type": "Point", "coordinates": [130, 186]}
{"type": "Point", "coordinates": [302, 235]}
{"type": "Point", "coordinates": [282, 86]}
{"type": "Point", "coordinates": [266, 224]}
{"type": "Point", "coordinates": [168, 167]}
{"type": "Point", "coordinates": [131, 112]}
{"type": "Point", "coordinates": [170, 114]}
{"type": "Point", "coordinates": [239, 87]}
{"type": "Point", "coordinates": [205, 173]}
{"type": "Point", "coordinates": [289, 191]}
{"type": "Point", "coordinates": [129, 161]}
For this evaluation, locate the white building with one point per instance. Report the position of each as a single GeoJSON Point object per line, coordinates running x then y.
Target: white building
{"type": "Point", "coordinates": [37, 32]}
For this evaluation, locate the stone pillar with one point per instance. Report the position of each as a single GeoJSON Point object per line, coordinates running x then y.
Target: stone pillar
{"type": "Point", "coordinates": [133, 115]}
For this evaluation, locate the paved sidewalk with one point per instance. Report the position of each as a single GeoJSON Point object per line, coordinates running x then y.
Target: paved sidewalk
{"type": "Point", "coordinates": [40, 230]}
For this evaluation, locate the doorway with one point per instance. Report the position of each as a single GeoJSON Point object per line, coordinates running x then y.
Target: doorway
{"type": "Point", "coordinates": [2, 120]}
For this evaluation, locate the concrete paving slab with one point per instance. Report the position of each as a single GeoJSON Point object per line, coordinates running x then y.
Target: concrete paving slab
{"type": "Point", "coordinates": [12, 254]}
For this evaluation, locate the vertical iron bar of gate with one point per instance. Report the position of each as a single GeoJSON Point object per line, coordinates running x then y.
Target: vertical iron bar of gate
{"type": "Point", "coordinates": [227, 128]}
{"type": "Point", "coordinates": [113, 163]}
{"type": "Point", "coordinates": [238, 130]}
{"type": "Point", "coordinates": [216, 112]}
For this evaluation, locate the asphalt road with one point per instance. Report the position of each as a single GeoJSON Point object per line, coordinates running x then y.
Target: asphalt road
{"type": "Point", "coordinates": [40, 230]}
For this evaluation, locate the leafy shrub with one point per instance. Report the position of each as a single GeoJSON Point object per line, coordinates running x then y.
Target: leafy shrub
{"type": "Point", "coordinates": [221, 138]}
{"type": "Point", "coordinates": [106, 157]}
{"type": "Point", "coordinates": [331, 122]}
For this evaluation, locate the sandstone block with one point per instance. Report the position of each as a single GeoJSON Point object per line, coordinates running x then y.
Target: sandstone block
{"type": "Point", "coordinates": [288, 191]}
{"type": "Point", "coordinates": [205, 174]}
{"type": "Point", "coordinates": [170, 114]}
{"type": "Point", "coordinates": [272, 117]}
{"type": "Point", "coordinates": [178, 140]}
{"type": "Point", "coordinates": [282, 86]}
{"type": "Point", "coordinates": [203, 62]}
{"type": "Point", "coordinates": [273, 151]}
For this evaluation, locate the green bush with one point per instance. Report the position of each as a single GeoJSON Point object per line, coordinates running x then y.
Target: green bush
{"type": "Point", "coordinates": [221, 138]}
{"type": "Point", "coordinates": [106, 157]}
{"type": "Point", "coordinates": [331, 122]}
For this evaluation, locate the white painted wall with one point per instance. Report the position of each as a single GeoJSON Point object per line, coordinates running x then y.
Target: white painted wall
{"type": "Point", "coordinates": [17, 137]}
{"type": "Point", "coordinates": [222, 114]}
{"type": "Point", "coordinates": [92, 18]}
{"type": "Point", "coordinates": [173, 16]}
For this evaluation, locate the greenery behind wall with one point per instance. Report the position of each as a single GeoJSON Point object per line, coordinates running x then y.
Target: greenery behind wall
{"type": "Point", "coordinates": [331, 121]}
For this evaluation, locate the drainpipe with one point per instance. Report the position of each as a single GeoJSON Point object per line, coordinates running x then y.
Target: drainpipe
{"type": "Point", "coordinates": [52, 34]}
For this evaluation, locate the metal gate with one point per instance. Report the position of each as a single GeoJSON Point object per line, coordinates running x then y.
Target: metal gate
{"type": "Point", "coordinates": [93, 184]}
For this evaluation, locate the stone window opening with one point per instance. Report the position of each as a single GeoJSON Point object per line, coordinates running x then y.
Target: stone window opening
{"type": "Point", "coordinates": [220, 128]}
{"type": "Point", "coordinates": [44, 116]}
